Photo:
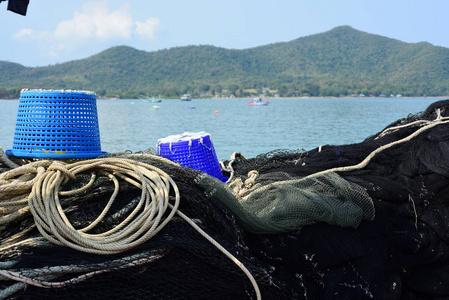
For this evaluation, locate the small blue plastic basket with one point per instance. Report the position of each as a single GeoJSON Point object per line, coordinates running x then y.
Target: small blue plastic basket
{"type": "Point", "coordinates": [192, 150]}
{"type": "Point", "coordinates": [56, 124]}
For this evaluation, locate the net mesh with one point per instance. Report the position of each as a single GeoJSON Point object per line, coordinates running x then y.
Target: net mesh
{"type": "Point", "coordinates": [280, 203]}
{"type": "Point", "coordinates": [377, 231]}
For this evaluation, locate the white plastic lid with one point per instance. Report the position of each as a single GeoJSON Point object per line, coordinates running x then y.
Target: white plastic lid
{"type": "Point", "coordinates": [186, 136]}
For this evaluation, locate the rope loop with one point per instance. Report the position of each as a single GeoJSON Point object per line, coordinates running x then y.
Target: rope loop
{"type": "Point", "coordinates": [252, 178]}
{"type": "Point", "coordinates": [58, 166]}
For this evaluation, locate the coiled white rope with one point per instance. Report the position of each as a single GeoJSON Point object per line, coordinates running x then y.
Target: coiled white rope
{"type": "Point", "coordinates": [144, 221]}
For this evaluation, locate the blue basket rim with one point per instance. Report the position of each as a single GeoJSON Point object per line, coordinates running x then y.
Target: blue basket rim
{"type": "Point", "coordinates": [50, 91]}
{"type": "Point", "coordinates": [53, 155]}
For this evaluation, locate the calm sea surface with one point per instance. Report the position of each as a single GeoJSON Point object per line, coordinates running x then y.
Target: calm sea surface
{"type": "Point", "coordinates": [237, 127]}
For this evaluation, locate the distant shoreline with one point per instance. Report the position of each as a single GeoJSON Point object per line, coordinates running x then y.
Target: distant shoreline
{"type": "Point", "coordinates": [280, 98]}
{"type": "Point", "coordinates": [331, 97]}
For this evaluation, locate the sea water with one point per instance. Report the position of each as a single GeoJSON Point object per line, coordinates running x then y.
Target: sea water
{"type": "Point", "coordinates": [235, 126]}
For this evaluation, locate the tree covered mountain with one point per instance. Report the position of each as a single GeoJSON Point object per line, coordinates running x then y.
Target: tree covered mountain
{"type": "Point", "coordinates": [342, 61]}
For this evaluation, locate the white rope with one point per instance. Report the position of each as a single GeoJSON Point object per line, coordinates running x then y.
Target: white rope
{"type": "Point", "coordinates": [226, 252]}
{"type": "Point", "coordinates": [418, 122]}
{"type": "Point", "coordinates": [229, 167]}
{"type": "Point", "coordinates": [144, 222]}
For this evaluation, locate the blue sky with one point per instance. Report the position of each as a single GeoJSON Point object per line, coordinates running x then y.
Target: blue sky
{"type": "Point", "coordinates": [57, 31]}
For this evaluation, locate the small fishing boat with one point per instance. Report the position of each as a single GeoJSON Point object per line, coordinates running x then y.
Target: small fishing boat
{"type": "Point", "coordinates": [257, 101]}
{"type": "Point", "coordinates": [154, 100]}
{"type": "Point", "coordinates": [186, 97]}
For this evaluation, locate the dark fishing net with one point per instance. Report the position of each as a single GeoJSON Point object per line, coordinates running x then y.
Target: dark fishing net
{"type": "Point", "coordinates": [377, 231]}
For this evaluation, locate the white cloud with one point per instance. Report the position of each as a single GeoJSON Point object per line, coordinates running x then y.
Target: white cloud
{"type": "Point", "coordinates": [24, 33]}
{"type": "Point", "coordinates": [147, 29]}
{"type": "Point", "coordinates": [95, 22]}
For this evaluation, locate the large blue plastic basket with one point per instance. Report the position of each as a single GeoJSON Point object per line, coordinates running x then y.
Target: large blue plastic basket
{"type": "Point", "coordinates": [192, 150]}
{"type": "Point", "coordinates": [56, 124]}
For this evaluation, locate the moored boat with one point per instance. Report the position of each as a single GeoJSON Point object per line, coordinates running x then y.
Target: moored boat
{"type": "Point", "coordinates": [154, 100]}
{"type": "Point", "coordinates": [257, 101]}
{"type": "Point", "coordinates": [186, 97]}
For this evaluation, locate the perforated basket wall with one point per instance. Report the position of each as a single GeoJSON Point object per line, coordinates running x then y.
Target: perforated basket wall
{"type": "Point", "coordinates": [192, 150]}
{"type": "Point", "coordinates": [56, 124]}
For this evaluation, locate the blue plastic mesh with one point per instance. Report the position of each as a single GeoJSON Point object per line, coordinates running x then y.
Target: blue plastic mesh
{"type": "Point", "coordinates": [56, 124]}
{"type": "Point", "coordinates": [192, 150]}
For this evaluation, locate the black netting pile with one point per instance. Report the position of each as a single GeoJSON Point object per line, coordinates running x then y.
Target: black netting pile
{"type": "Point", "coordinates": [401, 253]}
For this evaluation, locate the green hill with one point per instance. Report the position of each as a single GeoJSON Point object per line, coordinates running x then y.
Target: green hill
{"type": "Point", "coordinates": [341, 61]}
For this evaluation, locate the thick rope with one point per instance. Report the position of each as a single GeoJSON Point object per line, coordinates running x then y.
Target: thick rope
{"type": "Point", "coordinates": [26, 276]}
{"type": "Point", "coordinates": [5, 159]}
{"type": "Point", "coordinates": [417, 122]}
{"type": "Point", "coordinates": [229, 168]}
{"type": "Point", "coordinates": [144, 222]}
